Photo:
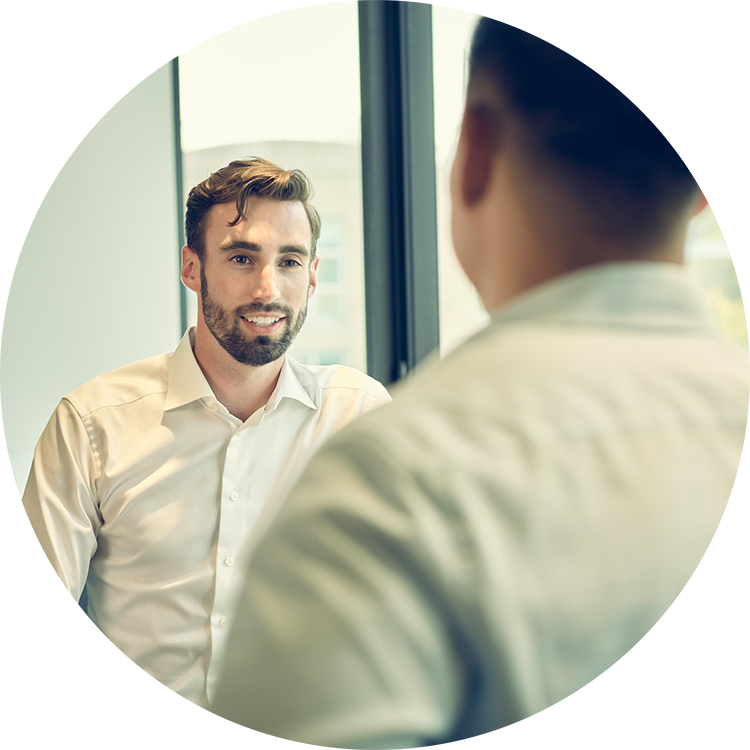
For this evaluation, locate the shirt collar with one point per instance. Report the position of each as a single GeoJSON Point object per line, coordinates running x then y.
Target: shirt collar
{"type": "Point", "coordinates": [187, 382]}
{"type": "Point", "coordinates": [628, 295]}
{"type": "Point", "coordinates": [289, 386]}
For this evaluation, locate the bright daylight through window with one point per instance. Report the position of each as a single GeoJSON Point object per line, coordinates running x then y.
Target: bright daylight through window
{"type": "Point", "coordinates": [718, 254]}
{"type": "Point", "coordinates": [461, 310]}
{"type": "Point", "coordinates": [281, 80]}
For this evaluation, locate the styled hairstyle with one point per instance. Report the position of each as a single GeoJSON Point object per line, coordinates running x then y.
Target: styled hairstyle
{"type": "Point", "coordinates": [581, 131]}
{"type": "Point", "coordinates": [237, 182]}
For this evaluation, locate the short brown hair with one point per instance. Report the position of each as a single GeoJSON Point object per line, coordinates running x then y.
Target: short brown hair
{"type": "Point", "coordinates": [240, 180]}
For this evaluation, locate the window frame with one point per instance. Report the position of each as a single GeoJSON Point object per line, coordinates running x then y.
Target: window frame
{"type": "Point", "coordinates": [399, 186]}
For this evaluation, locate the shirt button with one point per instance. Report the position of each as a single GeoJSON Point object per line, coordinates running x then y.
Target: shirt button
{"type": "Point", "coordinates": [233, 496]}
{"type": "Point", "coordinates": [238, 433]}
{"type": "Point", "coordinates": [229, 561]}
{"type": "Point", "coordinates": [223, 622]}
{"type": "Point", "coordinates": [213, 407]}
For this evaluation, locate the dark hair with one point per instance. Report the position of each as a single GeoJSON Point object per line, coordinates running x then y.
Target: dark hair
{"type": "Point", "coordinates": [580, 129]}
{"type": "Point", "coordinates": [240, 180]}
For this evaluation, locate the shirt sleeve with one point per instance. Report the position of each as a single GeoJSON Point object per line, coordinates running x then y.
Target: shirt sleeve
{"type": "Point", "coordinates": [383, 398]}
{"type": "Point", "coordinates": [342, 636]}
{"type": "Point", "coordinates": [60, 497]}
{"type": "Point", "coordinates": [380, 398]}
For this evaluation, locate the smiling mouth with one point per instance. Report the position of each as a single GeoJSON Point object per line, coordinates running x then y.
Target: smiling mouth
{"type": "Point", "coordinates": [263, 320]}
{"type": "Point", "coordinates": [263, 323]}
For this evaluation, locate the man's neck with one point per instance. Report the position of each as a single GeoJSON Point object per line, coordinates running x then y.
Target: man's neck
{"type": "Point", "coordinates": [242, 389]}
{"type": "Point", "coordinates": [538, 247]}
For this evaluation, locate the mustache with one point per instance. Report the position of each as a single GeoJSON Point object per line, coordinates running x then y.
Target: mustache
{"type": "Point", "coordinates": [257, 308]}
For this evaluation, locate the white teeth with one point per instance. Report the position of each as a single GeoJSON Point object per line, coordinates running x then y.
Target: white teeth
{"type": "Point", "coordinates": [262, 321]}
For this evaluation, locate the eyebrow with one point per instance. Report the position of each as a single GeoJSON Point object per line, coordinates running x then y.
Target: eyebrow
{"type": "Point", "coordinates": [252, 247]}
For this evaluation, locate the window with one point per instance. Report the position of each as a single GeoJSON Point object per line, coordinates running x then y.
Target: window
{"type": "Point", "coordinates": [240, 97]}
{"type": "Point", "coordinates": [707, 257]}
{"type": "Point", "coordinates": [461, 310]}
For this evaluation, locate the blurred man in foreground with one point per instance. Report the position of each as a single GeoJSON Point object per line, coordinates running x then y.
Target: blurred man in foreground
{"type": "Point", "coordinates": [525, 512]}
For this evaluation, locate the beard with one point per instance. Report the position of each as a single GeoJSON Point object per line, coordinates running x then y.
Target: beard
{"type": "Point", "coordinates": [227, 329]}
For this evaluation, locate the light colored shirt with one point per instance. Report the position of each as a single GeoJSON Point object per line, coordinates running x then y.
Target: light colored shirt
{"type": "Point", "coordinates": [505, 530]}
{"type": "Point", "coordinates": [145, 488]}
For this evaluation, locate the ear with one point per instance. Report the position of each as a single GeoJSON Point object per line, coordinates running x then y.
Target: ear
{"type": "Point", "coordinates": [477, 145]}
{"type": "Point", "coordinates": [313, 276]}
{"type": "Point", "coordinates": [700, 203]}
{"type": "Point", "coordinates": [190, 273]}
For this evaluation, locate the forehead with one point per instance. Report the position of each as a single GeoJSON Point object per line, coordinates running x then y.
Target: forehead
{"type": "Point", "coordinates": [268, 220]}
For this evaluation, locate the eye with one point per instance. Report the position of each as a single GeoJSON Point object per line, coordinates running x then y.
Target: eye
{"type": "Point", "coordinates": [290, 263]}
{"type": "Point", "coordinates": [240, 260]}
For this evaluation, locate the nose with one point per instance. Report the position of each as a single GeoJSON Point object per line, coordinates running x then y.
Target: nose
{"type": "Point", "coordinates": [266, 288]}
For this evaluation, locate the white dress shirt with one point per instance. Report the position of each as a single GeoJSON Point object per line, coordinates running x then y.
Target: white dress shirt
{"type": "Point", "coordinates": [144, 488]}
{"type": "Point", "coordinates": [507, 529]}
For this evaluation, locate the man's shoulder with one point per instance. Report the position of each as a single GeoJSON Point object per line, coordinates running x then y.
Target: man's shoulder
{"type": "Point", "coordinates": [122, 385]}
{"type": "Point", "coordinates": [525, 381]}
{"type": "Point", "coordinates": [544, 358]}
{"type": "Point", "coordinates": [337, 378]}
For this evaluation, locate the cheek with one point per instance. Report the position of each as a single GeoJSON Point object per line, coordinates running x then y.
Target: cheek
{"type": "Point", "coordinates": [232, 297]}
{"type": "Point", "coordinates": [457, 230]}
{"type": "Point", "coordinates": [457, 214]}
{"type": "Point", "coordinates": [465, 245]}
{"type": "Point", "coordinates": [295, 292]}
{"type": "Point", "coordinates": [224, 293]}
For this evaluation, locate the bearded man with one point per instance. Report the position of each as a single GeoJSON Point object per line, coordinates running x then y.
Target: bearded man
{"type": "Point", "coordinates": [147, 481]}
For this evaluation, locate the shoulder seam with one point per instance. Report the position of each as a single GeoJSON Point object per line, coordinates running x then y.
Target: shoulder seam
{"type": "Point", "coordinates": [347, 388]}
{"type": "Point", "coordinates": [110, 406]}
{"type": "Point", "coordinates": [93, 447]}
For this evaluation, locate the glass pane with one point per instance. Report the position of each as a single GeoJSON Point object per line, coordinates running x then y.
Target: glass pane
{"type": "Point", "coordinates": [105, 313]}
{"type": "Point", "coordinates": [257, 90]}
{"type": "Point", "coordinates": [330, 271]}
{"type": "Point", "coordinates": [461, 310]}
{"type": "Point", "coordinates": [718, 254]}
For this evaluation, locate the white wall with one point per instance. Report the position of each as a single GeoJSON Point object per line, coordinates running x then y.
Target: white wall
{"type": "Point", "coordinates": [96, 284]}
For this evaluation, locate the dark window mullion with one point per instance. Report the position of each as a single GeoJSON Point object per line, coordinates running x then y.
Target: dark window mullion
{"type": "Point", "coordinates": [398, 171]}
{"type": "Point", "coordinates": [419, 166]}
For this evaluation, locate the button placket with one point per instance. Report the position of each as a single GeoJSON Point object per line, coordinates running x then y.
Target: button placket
{"type": "Point", "coordinates": [232, 527]}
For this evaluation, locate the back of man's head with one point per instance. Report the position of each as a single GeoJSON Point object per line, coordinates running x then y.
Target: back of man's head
{"type": "Point", "coordinates": [575, 130]}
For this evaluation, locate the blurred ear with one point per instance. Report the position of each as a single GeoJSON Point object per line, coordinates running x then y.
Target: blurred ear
{"type": "Point", "coordinates": [700, 203]}
{"type": "Point", "coordinates": [190, 273]}
{"type": "Point", "coordinates": [478, 143]}
{"type": "Point", "coordinates": [313, 276]}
